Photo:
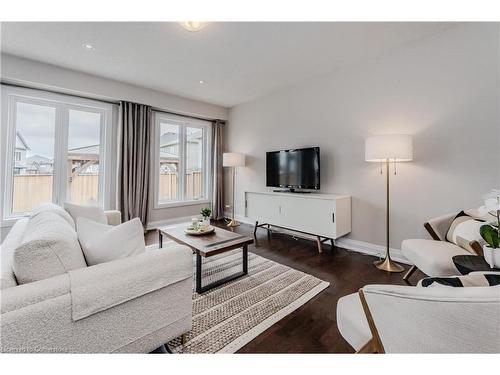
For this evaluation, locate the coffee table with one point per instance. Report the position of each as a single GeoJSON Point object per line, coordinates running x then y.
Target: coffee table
{"type": "Point", "coordinates": [471, 263]}
{"type": "Point", "coordinates": [209, 245]}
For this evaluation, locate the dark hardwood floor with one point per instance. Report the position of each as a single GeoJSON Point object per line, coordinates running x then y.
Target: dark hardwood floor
{"type": "Point", "coordinates": [312, 328]}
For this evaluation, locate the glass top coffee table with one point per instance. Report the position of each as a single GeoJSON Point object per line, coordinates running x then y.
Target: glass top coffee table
{"type": "Point", "coordinates": [209, 245]}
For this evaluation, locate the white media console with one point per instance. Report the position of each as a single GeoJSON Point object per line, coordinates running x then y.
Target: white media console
{"type": "Point", "coordinates": [326, 216]}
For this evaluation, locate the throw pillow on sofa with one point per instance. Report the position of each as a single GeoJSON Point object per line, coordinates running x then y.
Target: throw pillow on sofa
{"type": "Point", "coordinates": [49, 247]}
{"type": "Point", "coordinates": [103, 243]}
{"type": "Point", "coordinates": [44, 207]}
{"type": "Point", "coordinates": [91, 212]}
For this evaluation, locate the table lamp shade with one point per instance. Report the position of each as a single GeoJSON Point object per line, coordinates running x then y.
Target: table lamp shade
{"type": "Point", "coordinates": [233, 159]}
{"type": "Point", "coordinates": [395, 147]}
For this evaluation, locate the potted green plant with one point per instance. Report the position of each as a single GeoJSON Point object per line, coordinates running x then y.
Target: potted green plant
{"type": "Point", "coordinates": [490, 232]}
{"type": "Point", "coordinates": [206, 213]}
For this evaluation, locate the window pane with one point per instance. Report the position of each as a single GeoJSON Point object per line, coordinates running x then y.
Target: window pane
{"type": "Point", "coordinates": [194, 187]}
{"type": "Point", "coordinates": [169, 162]}
{"type": "Point", "coordinates": [84, 138]}
{"type": "Point", "coordinates": [33, 166]}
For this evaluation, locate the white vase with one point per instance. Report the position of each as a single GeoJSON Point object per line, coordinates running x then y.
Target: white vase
{"type": "Point", "coordinates": [206, 220]}
{"type": "Point", "coordinates": [492, 256]}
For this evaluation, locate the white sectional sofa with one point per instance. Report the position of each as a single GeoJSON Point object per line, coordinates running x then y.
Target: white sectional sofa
{"type": "Point", "coordinates": [135, 304]}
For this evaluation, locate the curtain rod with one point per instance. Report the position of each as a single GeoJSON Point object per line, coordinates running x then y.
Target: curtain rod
{"type": "Point", "coordinates": [117, 102]}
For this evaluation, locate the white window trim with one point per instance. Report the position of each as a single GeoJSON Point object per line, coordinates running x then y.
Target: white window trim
{"type": "Point", "coordinates": [183, 122]}
{"type": "Point", "coordinates": [62, 103]}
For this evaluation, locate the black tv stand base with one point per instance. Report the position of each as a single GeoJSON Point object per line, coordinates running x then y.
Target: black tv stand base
{"type": "Point", "coordinates": [291, 191]}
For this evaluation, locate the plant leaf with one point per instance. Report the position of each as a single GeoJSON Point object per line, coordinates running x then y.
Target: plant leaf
{"type": "Point", "coordinates": [490, 235]}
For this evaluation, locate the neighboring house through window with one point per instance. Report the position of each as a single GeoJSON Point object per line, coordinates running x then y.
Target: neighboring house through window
{"type": "Point", "coordinates": [57, 151]}
{"type": "Point", "coordinates": [182, 160]}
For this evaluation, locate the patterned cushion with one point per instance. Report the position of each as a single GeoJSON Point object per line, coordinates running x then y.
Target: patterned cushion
{"type": "Point", "coordinates": [473, 279]}
{"type": "Point", "coordinates": [464, 232]}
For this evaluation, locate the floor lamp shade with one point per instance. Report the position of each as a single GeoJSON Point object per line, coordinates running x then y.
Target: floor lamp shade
{"type": "Point", "coordinates": [233, 159]}
{"type": "Point", "coordinates": [392, 147]}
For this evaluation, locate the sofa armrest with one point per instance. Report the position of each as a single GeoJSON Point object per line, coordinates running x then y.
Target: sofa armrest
{"type": "Point", "coordinates": [438, 226]}
{"type": "Point", "coordinates": [25, 295]}
{"type": "Point", "coordinates": [435, 320]}
{"type": "Point", "coordinates": [114, 217]}
{"type": "Point", "coordinates": [100, 287]}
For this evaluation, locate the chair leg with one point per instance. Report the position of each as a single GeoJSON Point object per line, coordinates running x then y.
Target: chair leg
{"type": "Point", "coordinates": [409, 273]}
{"type": "Point", "coordinates": [368, 348]}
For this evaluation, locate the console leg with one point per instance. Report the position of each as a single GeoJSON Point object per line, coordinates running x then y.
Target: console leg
{"type": "Point", "coordinates": [318, 241]}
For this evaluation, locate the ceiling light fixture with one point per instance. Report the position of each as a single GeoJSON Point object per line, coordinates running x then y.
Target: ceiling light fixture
{"type": "Point", "coordinates": [193, 25]}
{"type": "Point", "coordinates": [88, 46]}
{"type": "Point", "coordinates": [202, 82]}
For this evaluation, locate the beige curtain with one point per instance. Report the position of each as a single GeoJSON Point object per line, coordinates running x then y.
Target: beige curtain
{"type": "Point", "coordinates": [217, 170]}
{"type": "Point", "coordinates": [134, 160]}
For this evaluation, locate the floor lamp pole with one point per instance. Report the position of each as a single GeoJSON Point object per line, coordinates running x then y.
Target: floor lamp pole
{"type": "Point", "coordinates": [233, 223]}
{"type": "Point", "coordinates": [387, 264]}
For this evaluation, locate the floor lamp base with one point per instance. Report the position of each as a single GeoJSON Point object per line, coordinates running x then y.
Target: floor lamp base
{"type": "Point", "coordinates": [388, 265]}
{"type": "Point", "coordinates": [233, 223]}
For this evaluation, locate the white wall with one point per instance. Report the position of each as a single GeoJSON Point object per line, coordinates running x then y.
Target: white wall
{"type": "Point", "coordinates": [444, 90]}
{"type": "Point", "coordinates": [28, 72]}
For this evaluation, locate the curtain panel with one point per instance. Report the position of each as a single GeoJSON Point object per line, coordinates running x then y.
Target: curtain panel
{"type": "Point", "coordinates": [217, 170]}
{"type": "Point", "coordinates": [135, 142]}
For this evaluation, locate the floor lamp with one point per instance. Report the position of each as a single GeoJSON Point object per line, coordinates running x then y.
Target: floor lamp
{"type": "Point", "coordinates": [391, 148]}
{"type": "Point", "coordinates": [233, 160]}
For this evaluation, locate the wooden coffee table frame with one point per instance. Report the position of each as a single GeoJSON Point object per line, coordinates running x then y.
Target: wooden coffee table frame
{"type": "Point", "coordinates": [209, 250]}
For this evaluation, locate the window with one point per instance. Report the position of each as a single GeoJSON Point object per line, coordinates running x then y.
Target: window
{"type": "Point", "coordinates": [182, 160]}
{"type": "Point", "coordinates": [55, 149]}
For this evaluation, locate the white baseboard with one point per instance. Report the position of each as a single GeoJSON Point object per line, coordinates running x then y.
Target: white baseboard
{"type": "Point", "coordinates": [346, 243]}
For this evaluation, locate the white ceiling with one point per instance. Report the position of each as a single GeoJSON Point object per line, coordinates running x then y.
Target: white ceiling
{"type": "Point", "coordinates": [238, 61]}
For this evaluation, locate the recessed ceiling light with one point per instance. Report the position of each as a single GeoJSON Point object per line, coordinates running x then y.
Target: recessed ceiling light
{"type": "Point", "coordinates": [88, 46]}
{"type": "Point", "coordinates": [202, 82]}
{"type": "Point", "coordinates": [193, 25]}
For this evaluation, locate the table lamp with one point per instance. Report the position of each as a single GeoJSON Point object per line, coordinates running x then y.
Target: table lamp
{"type": "Point", "coordinates": [390, 148]}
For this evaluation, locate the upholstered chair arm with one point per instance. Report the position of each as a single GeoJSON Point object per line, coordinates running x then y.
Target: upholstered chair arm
{"type": "Point", "coordinates": [425, 320]}
{"type": "Point", "coordinates": [114, 217]}
{"type": "Point", "coordinates": [438, 226]}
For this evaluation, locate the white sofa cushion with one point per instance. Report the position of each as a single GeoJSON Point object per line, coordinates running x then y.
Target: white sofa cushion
{"type": "Point", "coordinates": [44, 207]}
{"type": "Point", "coordinates": [49, 247]}
{"type": "Point", "coordinates": [351, 321]}
{"type": "Point", "coordinates": [91, 212]}
{"type": "Point", "coordinates": [10, 243]}
{"type": "Point", "coordinates": [434, 258]}
{"type": "Point", "coordinates": [103, 243]}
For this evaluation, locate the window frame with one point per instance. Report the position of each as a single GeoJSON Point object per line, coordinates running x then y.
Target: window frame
{"type": "Point", "coordinates": [62, 104]}
{"type": "Point", "coordinates": [183, 122]}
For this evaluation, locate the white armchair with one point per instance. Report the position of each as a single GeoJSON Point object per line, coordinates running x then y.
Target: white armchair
{"type": "Point", "coordinates": [434, 256]}
{"type": "Point", "coordinates": [406, 319]}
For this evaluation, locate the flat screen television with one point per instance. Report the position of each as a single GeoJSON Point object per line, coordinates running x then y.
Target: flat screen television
{"type": "Point", "coordinates": [293, 169]}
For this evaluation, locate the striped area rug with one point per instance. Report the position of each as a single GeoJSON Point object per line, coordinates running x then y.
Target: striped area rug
{"type": "Point", "coordinates": [230, 316]}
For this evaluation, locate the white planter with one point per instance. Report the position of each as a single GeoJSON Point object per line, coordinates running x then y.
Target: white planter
{"type": "Point", "coordinates": [492, 256]}
{"type": "Point", "coordinates": [206, 220]}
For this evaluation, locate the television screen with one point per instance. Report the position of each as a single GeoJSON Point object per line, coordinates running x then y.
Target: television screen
{"type": "Point", "coordinates": [298, 168]}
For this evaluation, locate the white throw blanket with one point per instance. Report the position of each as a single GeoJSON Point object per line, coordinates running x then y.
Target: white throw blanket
{"type": "Point", "coordinates": [100, 287]}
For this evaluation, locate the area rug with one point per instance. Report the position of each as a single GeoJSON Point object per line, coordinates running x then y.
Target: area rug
{"type": "Point", "coordinates": [230, 316]}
